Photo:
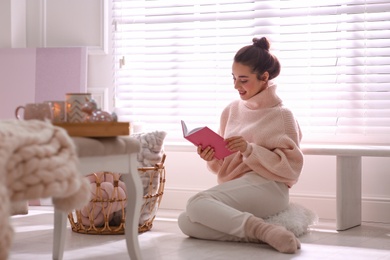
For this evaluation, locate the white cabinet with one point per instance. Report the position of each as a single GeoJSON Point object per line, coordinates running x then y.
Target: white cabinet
{"type": "Point", "coordinates": [68, 23]}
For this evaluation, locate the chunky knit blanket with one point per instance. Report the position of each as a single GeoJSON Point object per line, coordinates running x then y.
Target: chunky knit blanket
{"type": "Point", "coordinates": [37, 160]}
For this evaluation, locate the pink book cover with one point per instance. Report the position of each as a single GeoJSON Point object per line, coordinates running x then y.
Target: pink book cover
{"type": "Point", "coordinates": [204, 136]}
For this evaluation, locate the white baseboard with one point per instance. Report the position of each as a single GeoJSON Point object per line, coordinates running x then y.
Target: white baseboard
{"type": "Point", "coordinates": [373, 209]}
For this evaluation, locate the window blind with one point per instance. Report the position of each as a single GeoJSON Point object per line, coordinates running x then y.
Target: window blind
{"type": "Point", "coordinates": [173, 61]}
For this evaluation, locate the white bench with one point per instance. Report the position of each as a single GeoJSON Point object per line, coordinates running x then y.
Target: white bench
{"type": "Point", "coordinates": [348, 177]}
{"type": "Point", "coordinates": [108, 154]}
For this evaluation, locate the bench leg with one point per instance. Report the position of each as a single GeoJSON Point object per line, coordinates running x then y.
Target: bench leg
{"type": "Point", "coordinates": [133, 209]}
{"type": "Point", "coordinates": [59, 234]}
{"type": "Point", "coordinates": [349, 192]}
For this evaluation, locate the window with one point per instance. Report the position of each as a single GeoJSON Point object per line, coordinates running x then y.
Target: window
{"type": "Point", "coordinates": [173, 62]}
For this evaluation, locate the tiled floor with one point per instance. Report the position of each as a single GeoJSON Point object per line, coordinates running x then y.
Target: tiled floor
{"type": "Point", "coordinates": [33, 240]}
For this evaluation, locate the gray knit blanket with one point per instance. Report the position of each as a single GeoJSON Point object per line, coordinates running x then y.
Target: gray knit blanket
{"type": "Point", "coordinates": [37, 160]}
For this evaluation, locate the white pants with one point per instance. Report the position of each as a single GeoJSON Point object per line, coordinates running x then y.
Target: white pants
{"type": "Point", "coordinates": [221, 212]}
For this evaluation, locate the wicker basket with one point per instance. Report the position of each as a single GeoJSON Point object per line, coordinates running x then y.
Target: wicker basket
{"type": "Point", "coordinates": [106, 212]}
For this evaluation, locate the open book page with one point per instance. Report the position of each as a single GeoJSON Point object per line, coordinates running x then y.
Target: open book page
{"type": "Point", "coordinates": [185, 130]}
{"type": "Point", "coordinates": [205, 137]}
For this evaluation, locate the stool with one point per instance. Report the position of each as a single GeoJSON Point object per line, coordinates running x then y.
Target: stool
{"type": "Point", "coordinates": [118, 154]}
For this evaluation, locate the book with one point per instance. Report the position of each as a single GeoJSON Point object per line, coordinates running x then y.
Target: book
{"type": "Point", "coordinates": [205, 137]}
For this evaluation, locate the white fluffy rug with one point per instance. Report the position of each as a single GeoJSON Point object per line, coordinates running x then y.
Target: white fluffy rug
{"type": "Point", "coordinates": [295, 218]}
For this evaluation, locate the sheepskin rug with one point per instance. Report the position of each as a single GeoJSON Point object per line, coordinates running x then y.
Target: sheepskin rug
{"type": "Point", "coordinates": [295, 218]}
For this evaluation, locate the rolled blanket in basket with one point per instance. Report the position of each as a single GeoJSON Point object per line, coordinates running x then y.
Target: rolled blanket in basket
{"type": "Point", "coordinates": [37, 160]}
{"type": "Point", "coordinates": [151, 182]}
{"type": "Point", "coordinates": [108, 199]}
{"type": "Point", "coordinates": [152, 151]}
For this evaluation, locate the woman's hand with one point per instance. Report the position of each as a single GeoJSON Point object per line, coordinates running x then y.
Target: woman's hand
{"type": "Point", "coordinates": [237, 143]}
{"type": "Point", "coordinates": [206, 154]}
{"type": "Point", "coordinates": [234, 144]}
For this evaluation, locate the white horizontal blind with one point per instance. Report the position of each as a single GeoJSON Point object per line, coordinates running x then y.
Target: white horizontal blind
{"type": "Point", "coordinates": [178, 56]}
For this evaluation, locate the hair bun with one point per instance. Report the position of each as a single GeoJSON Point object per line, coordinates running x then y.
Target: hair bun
{"type": "Point", "coordinates": [261, 43]}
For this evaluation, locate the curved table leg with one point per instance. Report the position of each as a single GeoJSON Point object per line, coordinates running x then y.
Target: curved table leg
{"type": "Point", "coordinates": [133, 209]}
{"type": "Point", "coordinates": [59, 234]}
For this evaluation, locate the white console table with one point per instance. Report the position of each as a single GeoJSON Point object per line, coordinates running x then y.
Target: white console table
{"type": "Point", "coordinates": [349, 177]}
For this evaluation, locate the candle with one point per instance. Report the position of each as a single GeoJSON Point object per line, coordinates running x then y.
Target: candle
{"type": "Point", "coordinates": [58, 110]}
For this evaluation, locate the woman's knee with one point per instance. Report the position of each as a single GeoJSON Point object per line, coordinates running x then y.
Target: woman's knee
{"type": "Point", "coordinates": [184, 224]}
{"type": "Point", "coordinates": [194, 204]}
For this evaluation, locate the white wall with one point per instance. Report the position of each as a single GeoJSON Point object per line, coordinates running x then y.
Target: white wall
{"type": "Point", "coordinates": [186, 173]}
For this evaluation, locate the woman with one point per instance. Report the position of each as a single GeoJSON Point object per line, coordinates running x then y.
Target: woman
{"type": "Point", "coordinates": [254, 181]}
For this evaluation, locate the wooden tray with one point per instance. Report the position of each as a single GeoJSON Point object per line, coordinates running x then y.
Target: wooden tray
{"type": "Point", "coordinates": [96, 129]}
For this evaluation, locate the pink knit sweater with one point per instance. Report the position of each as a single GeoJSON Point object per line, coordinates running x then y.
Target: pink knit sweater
{"type": "Point", "coordinates": [273, 135]}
